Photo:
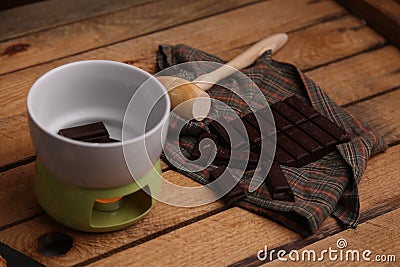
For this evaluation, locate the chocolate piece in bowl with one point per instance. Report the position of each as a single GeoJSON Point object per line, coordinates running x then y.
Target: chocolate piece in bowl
{"type": "Point", "coordinates": [92, 133]}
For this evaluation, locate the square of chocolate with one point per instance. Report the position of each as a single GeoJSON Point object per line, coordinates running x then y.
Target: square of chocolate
{"type": "Point", "coordinates": [92, 133]}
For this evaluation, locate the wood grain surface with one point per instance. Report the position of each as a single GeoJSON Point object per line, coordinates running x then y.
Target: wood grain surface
{"type": "Point", "coordinates": [141, 51]}
{"type": "Point", "coordinates": [381, 15]}
{"type": "Point", "coordinates": [357, 67]}
{"type": "Point", "coordinates": [48, 14]}
{"type": "Point", "coordinates": [99, 31]}
{"type": "Point", "coordinates": [232, 235]}
{"type": "Point", "coordinates": [371, 235]}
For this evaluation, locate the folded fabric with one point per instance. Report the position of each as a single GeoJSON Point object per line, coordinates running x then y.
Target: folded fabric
{"type": "Point", "coordinates": [324, 187]}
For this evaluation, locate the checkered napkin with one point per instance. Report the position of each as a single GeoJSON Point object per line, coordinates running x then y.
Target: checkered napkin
{"type": "Point", "coordinates": [324, 187]}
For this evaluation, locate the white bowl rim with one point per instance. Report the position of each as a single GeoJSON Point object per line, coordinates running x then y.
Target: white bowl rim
{"type": "Point", "coordinates": [153, 130]}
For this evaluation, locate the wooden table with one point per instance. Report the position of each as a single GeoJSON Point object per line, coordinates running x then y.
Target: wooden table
{"type": "Point", "coordinates": [355, 65]}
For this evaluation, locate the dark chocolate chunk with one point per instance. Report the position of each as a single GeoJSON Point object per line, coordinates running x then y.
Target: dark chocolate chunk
{"type": "Point", "coordinates": [259, 122]}
{"type": "Point", "coordinates": [206, 146]}
{"type": "Point", "coordinates": [284, 158]}
{"type": "Point", "coordinates": [237, 158]}
{"type": "Point", "coordinates": [332, 128]}
{"type": "Point", "coordinates": [311, 136]}
{"type": "Point", "coordinates": [304, 140]}
{"type": "Point", "coordinates": [222, 127]}
{"type": "Point", "coordinates": [318, 134]}
{"type": "Point", "coordinates": [278, 185]}
{"type": "Point", "coordinates": [289, 113]}
{"type": "Point", "coordinates": [291, 147]}
{"type": "Point", "coordinates": [302, 107]}
{"type": "Point", "coordinates": [280, 122]}
{"type": "Point", "coordinates": [224, 183]}
{"type": "Point", "coordinates": [93, 133]}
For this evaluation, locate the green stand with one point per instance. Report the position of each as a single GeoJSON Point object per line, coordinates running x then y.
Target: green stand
{"type": "Point", "coordinates": [73, 206]}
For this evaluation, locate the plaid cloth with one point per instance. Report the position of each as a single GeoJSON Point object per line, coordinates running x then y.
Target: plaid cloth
{"type": "Point", "coordinates": [324, 187]}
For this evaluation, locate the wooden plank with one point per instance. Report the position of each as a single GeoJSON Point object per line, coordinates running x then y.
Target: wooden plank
{"type": "Point", "coordinates": [381, 15]}
{"type": "Point", "coordinates": [381, 113]}
{"type": "Point", "coordinates": [230, 236]}
{"type": "Point", "coordinates": [18, 182]}
{"type": "Point", "coordinates": [327, 42]}
{"type": "Point", "coordinates": [89, 34]}
{"type": "Point", "coordinates": [360, 76]}
{"type": "Point", "coordinates": [374, 192]}
{"type": "Point", "coordinates": [14, 184]}
{"type": "Point", "coordinates": [13, 227]}
{"type": "Point", "coordinates": [379, 235]}
{"type": "Point", "coordinates": [15, 86]}
{"type": "Point", "coordinates": [103, 30]}
{"type": "Point", "coordinates": [162, 219]}
{"type": "Point", "coordinates": [48, 14]}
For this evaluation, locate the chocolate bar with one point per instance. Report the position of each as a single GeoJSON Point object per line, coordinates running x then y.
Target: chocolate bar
{"type": "Point", "coordinates": [302, 107]}
{"type": "Point", "coordinates": [304, 134]}
{"type": "Point", "coordinates": [277, 184]}
{"type": "Point", "coordinates": [234, 195]}
{"type": "Point", "coordinates": [92, 133]}
{"type": "Point", "coordinates": [260, 122]}
{"type": "Point", "coordinates": [237, 158]}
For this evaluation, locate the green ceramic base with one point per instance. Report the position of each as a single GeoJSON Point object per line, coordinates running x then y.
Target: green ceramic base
{"type": "Point", "coordinates": [73, 206]}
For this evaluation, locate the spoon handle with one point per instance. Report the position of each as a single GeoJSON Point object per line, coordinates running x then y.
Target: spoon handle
{"type": "Point", "coordinates": [245, 59]}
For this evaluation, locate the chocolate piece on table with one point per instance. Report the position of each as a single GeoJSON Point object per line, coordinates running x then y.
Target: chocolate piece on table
{"type": "Point", "coordinates": [278, 185]}
{"type": "Point", "coordinates": [205, 146]}
{"type": "Point", "coordinates": [236, 158]}
{"type": "Point", "coordinates": [302, 107]}
{"type": "Point", "coordinates": [223, 129]}
{"type": "Point", "coordinates": [93, 133]}
{"type": "Point", "coordinates": [224, 183]}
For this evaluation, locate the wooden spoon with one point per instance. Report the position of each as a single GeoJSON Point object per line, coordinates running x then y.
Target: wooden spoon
{"type": "Point", "coordinates": [190, 100]}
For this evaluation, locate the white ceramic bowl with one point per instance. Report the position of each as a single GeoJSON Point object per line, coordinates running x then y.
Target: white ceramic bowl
{"type": "Point", "coordinates": [98, 90]}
